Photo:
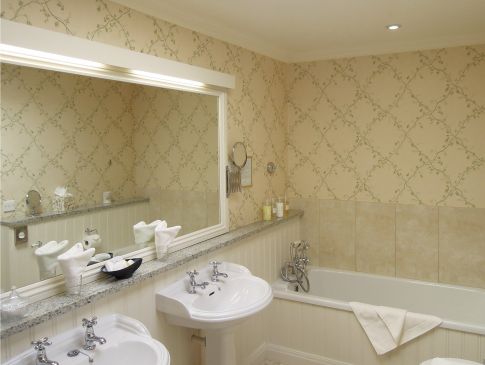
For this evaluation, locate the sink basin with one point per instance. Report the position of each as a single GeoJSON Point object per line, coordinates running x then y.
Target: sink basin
{"type": "Point", "coordinates": [221, 304]}
{"type": "Point", "coordinates": [217, 308]}
{"type": "Point", "coordinates": [127, 342]}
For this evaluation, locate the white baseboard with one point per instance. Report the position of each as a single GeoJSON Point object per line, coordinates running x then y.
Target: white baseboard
{"type": "Point", "coordinates": [288, 356]}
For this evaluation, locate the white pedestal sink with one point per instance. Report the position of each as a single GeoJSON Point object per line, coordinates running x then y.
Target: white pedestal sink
{"type": "Point", "coordinates": [128, 342]}
{"type": "Point", "coordinates": [217, 308]}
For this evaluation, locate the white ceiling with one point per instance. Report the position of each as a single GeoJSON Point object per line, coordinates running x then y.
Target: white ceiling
{"type": "Point", "coordinates": [307, 30]}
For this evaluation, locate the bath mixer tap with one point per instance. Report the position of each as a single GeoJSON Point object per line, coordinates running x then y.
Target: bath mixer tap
{"type": "Point", "coordinates": [90, 338]}
{"type": "Point", "coordinates": [193, 283]}
{"type": "Point", "coordinates": [215, 271]}
{"type": "Point", "coordinates": [41, 358]}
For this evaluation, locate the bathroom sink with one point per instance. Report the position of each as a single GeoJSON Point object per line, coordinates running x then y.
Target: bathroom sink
{"type": "Point", "coordinates": [221, 304]}
{"type": "Point", "coordinates": [127, 342]}
{"type": "Point", "coordinates": [217, 308]}
{"type": "Point", "coordinates": [128, 352]}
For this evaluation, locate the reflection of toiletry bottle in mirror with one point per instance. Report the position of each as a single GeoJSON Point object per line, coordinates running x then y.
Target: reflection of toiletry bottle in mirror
{"type": "Point", "coordinates": [279, 208]}
{"type": "Point", "coordinates": [273, 207]}
{"type": "Point", "coordinates": [106, 197]}
{"type": "Point", "coordinates": [267, 210]}
{"type": "Point", "coordinates": [287, 206]}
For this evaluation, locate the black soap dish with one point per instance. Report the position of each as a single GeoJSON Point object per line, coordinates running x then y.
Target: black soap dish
{"type": "Point", "coordinates": [125, 273]}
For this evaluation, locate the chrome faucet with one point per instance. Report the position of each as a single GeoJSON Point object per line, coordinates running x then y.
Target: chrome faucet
{"type": "Point", "coordinates": [193, 284]}
{"type": "Point", "coordinates": [215, 271]}
{"type": "Point", "coordinates": [90, 338]}
{"type": "Point", "coordinates": [41, 358]}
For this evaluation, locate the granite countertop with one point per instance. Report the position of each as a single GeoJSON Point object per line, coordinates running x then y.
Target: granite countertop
{"type": "Point", "coordinates": [44, 310]}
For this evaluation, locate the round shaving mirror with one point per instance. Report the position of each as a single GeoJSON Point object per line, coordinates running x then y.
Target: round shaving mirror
{"type": "Point", "coordinates": [239, 154]}
{"type": "Point", "coordinates": [34, 202]}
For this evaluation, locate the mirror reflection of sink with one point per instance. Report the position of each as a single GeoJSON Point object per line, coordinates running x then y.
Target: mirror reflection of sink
{"type": "Point", "coordinates": [217, 308]}
{"type": "Point", "coordinates": [128, 342]}
{"type": "Point", "coordinates": [47, 257]}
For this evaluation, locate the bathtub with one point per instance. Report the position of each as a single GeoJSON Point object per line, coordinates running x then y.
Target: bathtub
{"type": "Point", "coordinates": [460, 308]}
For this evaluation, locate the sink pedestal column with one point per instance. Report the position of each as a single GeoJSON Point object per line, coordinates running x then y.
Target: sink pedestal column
{"type": "Point", "coordinates": [220, 347]}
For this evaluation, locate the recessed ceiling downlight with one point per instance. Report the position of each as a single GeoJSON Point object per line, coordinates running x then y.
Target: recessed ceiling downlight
{"type": "Point", "coordinates": [393, 26]}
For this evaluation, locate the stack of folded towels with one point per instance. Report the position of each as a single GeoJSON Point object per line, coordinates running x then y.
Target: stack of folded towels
{"type": "Point", "coordinates": [117, 263]}
{"type": "Point", "coordinates": [158, 231]}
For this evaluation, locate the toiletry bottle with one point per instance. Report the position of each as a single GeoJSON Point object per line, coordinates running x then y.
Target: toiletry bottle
{"type": "Point", "coordinates": [267, 210]}
{"type": "Point", "coordinates": [287, 206]}
{"type": "Point", "coordinates": [280, 208]}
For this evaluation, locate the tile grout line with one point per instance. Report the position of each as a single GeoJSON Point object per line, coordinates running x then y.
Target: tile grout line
{"type": "Point", "coordinates": [438, 236]}
{"type": "Point", "coordinates": [395, 240]}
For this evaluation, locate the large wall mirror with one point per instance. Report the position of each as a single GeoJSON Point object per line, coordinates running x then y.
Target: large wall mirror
{"type": "Point", "coordinates": [129, 145]}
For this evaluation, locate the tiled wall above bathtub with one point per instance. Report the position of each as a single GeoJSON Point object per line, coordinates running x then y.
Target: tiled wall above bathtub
{"type": "Point", "coordinates": [440, 244]}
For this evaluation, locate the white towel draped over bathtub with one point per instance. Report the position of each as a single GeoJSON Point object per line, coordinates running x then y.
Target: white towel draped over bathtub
{"type": "Point", "coordinates": [388, 328]}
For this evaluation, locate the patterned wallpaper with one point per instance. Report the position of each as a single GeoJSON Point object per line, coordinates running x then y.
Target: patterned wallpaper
{"type": "Point", "coordinates": [64, 130]}
{"type": "Point", "coordinates": [400, 128]}
{"type": "Point", "coordinates": [95, 135]}
{"type": "Point", "coordinates": [175, 140]}
{"type": "Point", "coordinates": [255, 113]}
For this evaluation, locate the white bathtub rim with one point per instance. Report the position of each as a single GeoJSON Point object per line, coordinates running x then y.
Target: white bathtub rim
{"type": "Point", "coordinates": [281, 291]}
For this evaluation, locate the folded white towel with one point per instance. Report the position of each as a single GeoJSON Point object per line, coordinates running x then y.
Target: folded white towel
{"type": "Point", "coordinates": [116, 263]}
{"type": "Point", "coordinates": [146, 232]}
{"type": "Point", "coordinates": [164, 237]}
{"type": "Point", "coordinates": [73, 262]}
{"type": "Point", "coordinates": [49, 253]}
{"type": "Point", "coordinates": [388, 328]}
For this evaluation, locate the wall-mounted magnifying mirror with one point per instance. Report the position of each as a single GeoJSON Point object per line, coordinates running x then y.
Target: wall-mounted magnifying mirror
{"type": "Point", "coordinates": [239, 154]}
{"type": "Point", "coordinates": [34, 202]}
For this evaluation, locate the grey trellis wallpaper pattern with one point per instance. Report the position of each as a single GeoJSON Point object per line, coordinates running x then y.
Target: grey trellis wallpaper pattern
{"type": "Point", "coordinates": [400, 128]}
{"type": "Point", "coordinates": [405, 129]}
{"type": "Point", "coordinates": [255, 112]}
{"type": "Point", "coordinates": [95, 135]}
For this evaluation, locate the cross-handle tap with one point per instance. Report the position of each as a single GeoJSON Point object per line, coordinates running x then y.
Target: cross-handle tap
{"type": "Point", "coordinates": [90, 338]}
{"type": "Point", "coordinates": [215, 271]}
{"type": "Point", "coordinates": [41, 358]}
{"type": "Point", "coordinates": [193, 283]}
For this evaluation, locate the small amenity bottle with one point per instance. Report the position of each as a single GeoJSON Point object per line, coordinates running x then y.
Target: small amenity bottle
{"type": "Point", "coordinates": [267, 210]}
{"type": "Point", "coordinates": [287, 206]}
{"type": "Point", "coordinates": [280, 208]}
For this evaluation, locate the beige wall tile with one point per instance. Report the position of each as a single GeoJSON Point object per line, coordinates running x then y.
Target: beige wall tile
{"type": "Point", "coordinates": [337, 234]}
{"type": "Point", "coordinates": [375, 238]}
{"type": "Point", "coordinates": [417, 242]}
{"type": "Point", "coordinates": [309, 224]}
{"type": "Point", "coordinates": [462, 246]}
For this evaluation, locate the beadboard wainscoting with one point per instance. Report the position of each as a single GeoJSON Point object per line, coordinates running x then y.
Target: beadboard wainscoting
{"type": "Point", "coordinates": [114, 225]}
{"type": "Point", "coordinates": [263, 254]}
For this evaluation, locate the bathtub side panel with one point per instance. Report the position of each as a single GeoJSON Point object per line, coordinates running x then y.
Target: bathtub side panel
{"type": "Point", "coordinates": [330, 336]}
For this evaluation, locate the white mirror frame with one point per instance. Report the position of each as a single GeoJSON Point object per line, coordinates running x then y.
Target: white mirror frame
{"type": "Point", "coordinates": [35, 47]}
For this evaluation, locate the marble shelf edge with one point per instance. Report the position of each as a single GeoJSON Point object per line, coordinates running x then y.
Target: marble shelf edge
{"type": "Point", "coordinates": [14, 223]}
{"type": "Point", "coordinates": [46, 309]}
